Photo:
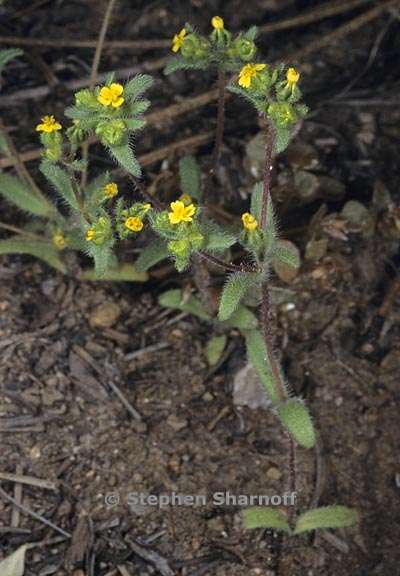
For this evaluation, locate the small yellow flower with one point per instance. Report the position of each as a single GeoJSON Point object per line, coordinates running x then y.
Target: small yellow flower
{"type": "Point", "coordinates": [90, 235]}
{"type": "Point", "coordinates": [111, 95]}
{"type": "Point", "coordinates": [177, 40]}
{"type": "Point", "coordinates": [186, 199]}
{"type": "Point", "coordinates": [110, 190]}
{"type": "Point", "coordinates": [217, 23]}
{"type": "Point", "coordinates": [49, 124]}
{"type": "Point", "coordinates": [146, 207]}
{"type": "Point", "coordinates": [59, 240]}
{"type": "Point", "coordinates": [249, 222]}
{"type": "Point", "coordinates": [134, 224]}
{"type": "Point", "coordinates": [248, 72]}
{"type": "Point", "coordinates": [180, 212]}
{"type": "Point", "coordinates": [292, 77]}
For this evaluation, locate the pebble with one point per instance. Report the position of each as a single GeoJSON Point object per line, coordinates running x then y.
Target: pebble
{"type": "Point", "coordinates": [274, 473]}
{"type": "Point", "coordinates": [176, 423]}
{"type": "Point", "coordinates": [105, 315]}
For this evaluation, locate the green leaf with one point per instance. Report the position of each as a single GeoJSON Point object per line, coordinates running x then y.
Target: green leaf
{"type": "Point", "coordinates": [137, 86]}
{"type": "Point", "coordinates": [296, 418]}
{"type": "Point", "coordinates": [103, 256]}
{"type": "Point", "coordinates": [257, 354]}
{"type": "Point", "coordinates": [283, 137]}
{"type": "Point", "coordinates": [22, 196]}
{"type": "Point", "coordinates": [42, 250]}
{"type": "Point", "coordinates": [151, 255]}
{"type": "Point", "coordinates": [215, 348]}
{"type": "Point", "coordinates": [124, 273]}
{"type": "Point", "coordinates": [326, 517]}
{"type": "Point", "coordinates": [255, 209]}
{"type": "Point", "coordinates": [7, 55]}
{"type": "Point", "coordinates": [259, 517]}
{"type": "Point", "coordinates": [61, 182]}
{"type": "Point", "coordinates": [124, 155]}
{"type": "Point", "coordinates": [234, 290]}
{"type": "Point", "coordinates": [191, 304]}
{"type": "Point", "coordinates": [251, 33]}
{"type": "Point", "coordinates": [135, 124]}
{"type": "Point", "coordinates": [243, 319]}
{"type": "Point", "coordinates": [217, 239]}
{"type": "Point", "coordinates": [287, 253]}
{"type": "Point", "coordinates": [190, 177]}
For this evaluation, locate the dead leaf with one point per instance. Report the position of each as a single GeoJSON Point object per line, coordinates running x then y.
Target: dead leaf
{"type": "Point", "coordinates": [14, 565]}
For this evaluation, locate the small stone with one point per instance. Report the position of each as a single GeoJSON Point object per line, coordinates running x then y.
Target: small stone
{"type": "Point", "coordinates": [216, 524]}
{"type": "Point", "coordinates": [176, 423]}
{"type": "Point", "coordinates": [274, 473]}
{"type": "Point", "coordinates": [248, 390]}
{"type": "Point", "coordinates": [105, 315]}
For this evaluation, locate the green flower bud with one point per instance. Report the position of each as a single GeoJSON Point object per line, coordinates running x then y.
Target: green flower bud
{"type": "Point", "coordinates": [53, 154]}
{"type": "Point", "coordinates": [195, 48]}
{"type": "Point", "coordinates": [75, 132]}
{"type": "Point", "coordinates": [244, 49]}
{"type": "Point", "coordinates": [282, 113]}
{"type": "Point", "coordinates": [86, 98]}
{"type": "Point", "coordinates": [196, 240]}
{"type": "Point", "coordinates": [180, 248]}
{"type": "Point", "coordinates": [111, 132]}
{"type": "Point", "coordinates": [99, 232]}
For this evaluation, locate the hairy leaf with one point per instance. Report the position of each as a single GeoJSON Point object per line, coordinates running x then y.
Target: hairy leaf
{"type": "Point", "coordinates": [296, 418]}
{"type": "Point", "coordinates": [22, 196]}
{"type": "Point", "coordinates": [42, 250]}
{"type": "Point", "coordinates": [135, 124]}
{"type": "Point", "coordinates": [326, 517]}
{"type": "Point", "coordinates": [259, 517]}
{"type": "Point", "coordinates": [124, 155]}
{"type": "Point", "coordinates": [190, 177]}
{"type": "Point", "coordinates": [61, 182]}
{"type": "Point", "coordinates": [7, 55]}
{"type": "Point", "coordinates": [136, 86]}
{"type": "Point", "coordinates": [287, 253]}
{"type": "Point", "coordinates": [151, 255]}
{"type": "Point", "coordinates": [191, 304]}
{"type": "Point", "coordinates": [234, 290]}
{"type": "Point", "coordinates": [124, 273]}
{"type": "Point", "coordinates": [257, 354]}
{"type": "Point", "coordinates": [243, 319]}
{"type": "Point", "coordinates": [215, 348]}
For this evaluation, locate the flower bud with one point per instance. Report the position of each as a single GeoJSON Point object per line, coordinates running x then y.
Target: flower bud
{"type": "Point", "coordinates": [195, 48]}
{"type": "Point", "coordinates": [244, 49]}
{"type": "Point", "coordinates": [111, 132]}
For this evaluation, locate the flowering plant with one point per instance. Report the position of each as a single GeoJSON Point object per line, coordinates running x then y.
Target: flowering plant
{"type": "Point", "coordinates": [93, 217]}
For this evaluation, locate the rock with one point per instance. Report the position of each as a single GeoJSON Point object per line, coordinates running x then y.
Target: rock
{"type": "Point", "coordinates": [105, 315]}
{"type": "Point", "coordinates": [248, 390]}
{"type": "Point", "coordinates": [176, 423]}
{"type": "Point", "coordinates": [274, 473]}
{"type": "Point", "coordinates": [302, 155]}
{"type": "Point", "coordinates": [359, 218]}
{"type": "Point", "coordinates": [307, 186]}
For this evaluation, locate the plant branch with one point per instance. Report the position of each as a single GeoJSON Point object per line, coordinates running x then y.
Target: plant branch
{"type": "Point", "coordinates": [229, 267]}
{"type": "Point", "coordinates": [20, 231]}
{"type": "Point", "coordinates": [20, 167]}
{"type": "Point", "coordinates": [292, 481]}
{"type": "Point", "coordinates": [93, 74]}
{"type": "Point", "coordinates": [269, 150]}
{"type": "Point", "coordinates": [219, 133]}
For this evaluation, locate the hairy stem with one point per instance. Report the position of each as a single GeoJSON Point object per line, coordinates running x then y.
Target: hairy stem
{"type": "Point", "coordinates": [20, 231]}
{"type": "Point", "coordinates": [265, 311]}
{"type": "Point", "coordinates": [219, 133]}
{"type": "Point", "coordinates": [292, 480]}
{"type": "Point", "coordinates": [229, 267]}
{"type": "Point", "coordinates": [94, 71]}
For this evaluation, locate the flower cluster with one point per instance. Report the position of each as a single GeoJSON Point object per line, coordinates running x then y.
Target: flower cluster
{"type": "Point", "coordinates": [220, 48]}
